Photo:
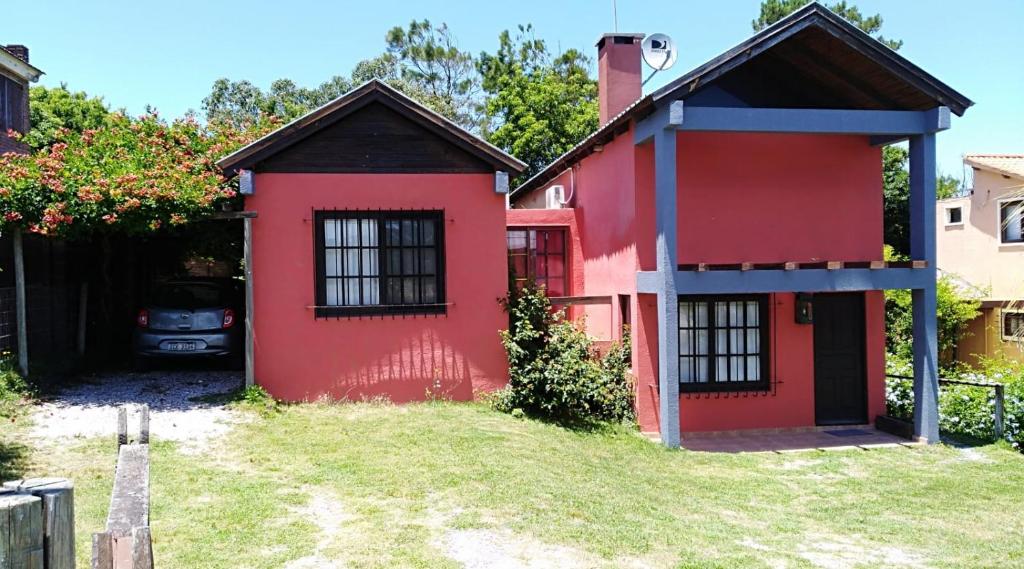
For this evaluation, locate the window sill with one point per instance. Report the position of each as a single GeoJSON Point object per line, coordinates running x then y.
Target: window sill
{"type": "Point", "coordinates": [380, 311]}
{"type": "Point", "coordinates": [734, 387]}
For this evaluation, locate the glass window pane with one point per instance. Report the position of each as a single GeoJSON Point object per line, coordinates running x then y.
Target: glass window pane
{"type": "Point", "coordinates": [409, 291]}
{"type": "Point", "coordinates": [701, 312]}
{"type": "Point", "coordinates": [752, 313]}
{"type": "Point", "coordinates": [753, 368]}
{"type": "Point", "coordinates": [427, 262]}
{"type": "Point", "coordinates": [369, 233]}
{"type": "Point", "coordinates": [556, 266]}
{"type": "Point", "coordinates": [332, 262]}
{"type": "Point", "coordinates": [428, 232]}
{"type": "Point", "coordinates": [753, 340]}
{"type": "Point", "coordinates": [519, 266]}
{"type": "Point", "coordinates": [410, 263]}
{"type": "Point", "coordinates": [687, 370]}
{"type": "Point", "coordinates": [409, 236]}
{"type": "Point", "coordinates": [351, 262]}
{"type": "Point", "coordinates": [429, 287]}
{"type": "Point", "coordinates": [393, 291]}
{"type": "Point", "coordinates": [352, 292]}
{"type": "Point", "coordinates": [371, 292]}
{"type": "Point", "coordinates": [395, 261]}
{"type": "Point", "coordinates": [721, 368]}
{"type": "Point", "coordinates": [332, 292]}
{"type": "Point", "coordinates": [556, 287]}
{"type": "Point", "coordinates": [737, 368]}
{"type": "Point", "coordinates": [721, 314]}
{"type": "Point", "coordinates": [517, 241]}
{"type": "Point", "coordinates": [369, 262]}
{"type": "Point", "coordinates": [556, 241]}
{"type": "Point", "coordinates": [686, 342]}
{"type": "Point", "coordinates": [685, 310]}
{"type": "Point", "coordinates": [702, 342]}
{"type": "Point", "coordinates": [702, 370]}
{"type": "Point", "coordinates": [330, 233]}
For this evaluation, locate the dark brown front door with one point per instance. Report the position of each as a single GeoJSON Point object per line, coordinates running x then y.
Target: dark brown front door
{"type": "Point", "coordinates": [840, 384]}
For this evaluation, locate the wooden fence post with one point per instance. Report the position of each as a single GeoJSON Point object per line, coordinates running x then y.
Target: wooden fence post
{"type": "Point", "coordinates": [58, 524]}
{"type": "Point", "coordinates": [999, 410]}
{"type": "Point", "coordinates": [102, 551]}
{"type": "Point", "coordinates": [21, 531]}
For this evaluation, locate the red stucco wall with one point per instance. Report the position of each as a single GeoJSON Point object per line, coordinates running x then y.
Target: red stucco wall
{"type": "Point", "coordinates": [301, 357]}
{"type": "Point", "coordinates": [742, 198]}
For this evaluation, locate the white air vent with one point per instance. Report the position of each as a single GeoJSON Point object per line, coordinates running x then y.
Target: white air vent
{"type": "Point", "coordinates": [554, 197]}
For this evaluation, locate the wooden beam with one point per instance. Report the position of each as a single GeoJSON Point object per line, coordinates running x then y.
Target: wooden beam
{"type": "Point", "coordinates": [814, 121]}
{"type": "Point", "coordinates": [57, 496]}
{"type": "Point", "coordinates": [223, 215]}
{"type": "Point", "coordinates": [21, 530]}
{"type": "Point", "coordinates": [19, 302]}
{"type": "Point", "coordinates": [833, 265]}
{"type": "Point", "coordinates": [580, 300]}
{"type": "Point", "coordinates": [790, 266]}
{"type": "Point", "coordinates": [250, 331]}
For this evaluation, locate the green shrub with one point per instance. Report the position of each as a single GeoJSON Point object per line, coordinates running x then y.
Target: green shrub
{"type": "Point", "coordinates": [14, 391]}
{"type": "Point", "coordinates": [964, 410]}
{"type": "Point", "coordinates": [554, 370]}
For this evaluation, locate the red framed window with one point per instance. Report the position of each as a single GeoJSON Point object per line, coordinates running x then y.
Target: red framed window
{"type": "Point", "coordinates": [539, 254]}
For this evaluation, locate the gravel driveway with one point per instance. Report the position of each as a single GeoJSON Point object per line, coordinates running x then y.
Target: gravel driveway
{"type": "Point", "coordinates": [175, 399]}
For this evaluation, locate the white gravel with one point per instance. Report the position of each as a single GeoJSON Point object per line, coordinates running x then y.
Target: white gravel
{"type": "Point", "coordinates": [89, 408]}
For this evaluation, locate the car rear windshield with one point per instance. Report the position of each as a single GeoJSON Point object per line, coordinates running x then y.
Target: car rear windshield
{"type": "Point", "coordinates": [191, 296]}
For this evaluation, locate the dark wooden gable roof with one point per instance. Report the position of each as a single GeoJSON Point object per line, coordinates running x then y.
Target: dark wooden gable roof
{"type": "Point", "coordinates": [373, 128]}
{"type": "Point", "coordinates": [812, 58]}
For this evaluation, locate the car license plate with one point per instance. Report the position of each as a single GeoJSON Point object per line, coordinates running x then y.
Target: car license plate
{"type": "Point", "coordinates": [180, 346]}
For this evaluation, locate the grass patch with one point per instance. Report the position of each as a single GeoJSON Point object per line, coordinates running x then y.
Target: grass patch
{"type": "Point", "coordinates": [372, 485]}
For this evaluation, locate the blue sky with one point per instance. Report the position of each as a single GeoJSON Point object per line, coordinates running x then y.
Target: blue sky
{"type": "Point", "coordinates": [167, 54]}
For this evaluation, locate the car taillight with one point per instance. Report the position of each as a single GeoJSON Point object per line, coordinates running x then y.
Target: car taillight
{"type": "Point", "coordinates": [229, 318]}
{"type": "Point", "coordinates": [143, 318]}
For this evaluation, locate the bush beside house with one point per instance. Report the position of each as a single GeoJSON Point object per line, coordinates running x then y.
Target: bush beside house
{"type": "Point", "coordinates": [554, 370]}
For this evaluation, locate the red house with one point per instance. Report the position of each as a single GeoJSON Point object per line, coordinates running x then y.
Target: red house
{"type": "Point", "coordinates": [733, 219]}
{"type": "Point", "coordinates": [377, 253]}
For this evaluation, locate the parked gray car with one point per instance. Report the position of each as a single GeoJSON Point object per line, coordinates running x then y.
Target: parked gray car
{"type": "Point", "coordinates": [191, 318]}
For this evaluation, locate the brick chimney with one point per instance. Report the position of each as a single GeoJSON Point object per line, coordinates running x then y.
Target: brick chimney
{"type": "Point", "coordinates": [618, 72]}
{"type": "Point", "coordinates": [19, 51]}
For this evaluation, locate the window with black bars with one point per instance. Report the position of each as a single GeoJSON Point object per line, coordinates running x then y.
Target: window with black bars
{"type": "Point", "coordinates": [538, 254]}
{"type": "Point", "coordinates": [1011, 221]}
{"type": "Point", "coordinates": [723, 343]}
{"type": "Point", "coordinates": [378, 263]}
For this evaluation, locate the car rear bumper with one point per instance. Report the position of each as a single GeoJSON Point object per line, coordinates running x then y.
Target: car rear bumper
{"type": "Point", "coordinates": [159, 343]}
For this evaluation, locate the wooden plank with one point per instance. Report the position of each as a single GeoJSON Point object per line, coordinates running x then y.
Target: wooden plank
{"type": "Point", "coordinates": [121, 551]}
{"type": "Point", "coordinates": [919, 264]}
{"type": "Point", "coordinates": [834, 265]}
{"type": "Point", "coordinates": [746, 266]}
{"type": "Point", "coordinates": [24, 531]}
{"type": "Point", "coordinates": [19, 302]}
{"type": "Point", "coordinates": [122, 425]}
{"type": "Point", "coordinates": [250, 331]}
{"type": "Point", "coordinates": [129, 501]}
{"type": "Point", "coordinates": [142, 548]}
{"type": "Point", "coordinates": [58, 507]}
{"type": "Point", "coordinates": [580, 300]}
{"type": "Point", "coordinates": [144, 425]}
{"type": "Point", "coordinates": [875, 265]}
{"type": "Point", "coordinates": [102, 551]}
{"type": "Point", "coordinates": [790, 266]}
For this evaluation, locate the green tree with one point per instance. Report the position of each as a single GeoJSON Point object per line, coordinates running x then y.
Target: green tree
{"type": "Point", "coordinates": [955, 309]}
{"type": "Point", "coordinates": [537, 106]}
{"type": "Point", "coordinates": [241, 102]}
{"type": "Point", "coordinates": [774, 10]}
{"type": "Point", "coordinates": [52, 109]}
{"type": "Point", "coordinates": [430, 61]}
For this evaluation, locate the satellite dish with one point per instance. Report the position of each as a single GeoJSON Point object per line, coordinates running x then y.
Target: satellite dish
{"type": "Point", "coordinates": [659, 51]}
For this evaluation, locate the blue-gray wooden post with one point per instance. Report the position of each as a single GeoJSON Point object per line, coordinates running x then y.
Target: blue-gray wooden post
{"type": "Point", "coordinates": [922, 246]}
{"type": "Point", "coordinates": [668, 300]}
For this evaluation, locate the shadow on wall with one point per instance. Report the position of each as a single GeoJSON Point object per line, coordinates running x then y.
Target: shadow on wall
{"type": "Point", "coordinates": [414, 367]}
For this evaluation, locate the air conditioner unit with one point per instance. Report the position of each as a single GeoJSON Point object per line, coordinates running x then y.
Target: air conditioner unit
{"type": "Point", "coordinates": [554, 197]}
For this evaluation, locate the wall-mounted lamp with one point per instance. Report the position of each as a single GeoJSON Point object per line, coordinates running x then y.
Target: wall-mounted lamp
{"type": "Point", "coordinates": [804, 308]}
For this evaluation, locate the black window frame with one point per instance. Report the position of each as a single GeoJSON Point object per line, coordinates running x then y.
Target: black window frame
{"type": "Point", "coordinates": [714, 385]}
{"type": "Point", "coordinates": [12, 105]}
{"type": "Point", "coordinates": [1007, 317]}
{"type": "Point", "coordinates": [532, 256]}
{"type": "Point", "coordinates": [323, 310]}
{"type": "Point", "coordinates": [1004, 206]}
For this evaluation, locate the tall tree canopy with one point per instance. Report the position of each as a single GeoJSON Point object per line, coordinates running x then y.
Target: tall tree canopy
{"type": "Point", "coordinates": [52, 109]}
{"type": "Point", "coordinates": [537, 105]}
{"type": "Point", "coordinates": [774, 10]}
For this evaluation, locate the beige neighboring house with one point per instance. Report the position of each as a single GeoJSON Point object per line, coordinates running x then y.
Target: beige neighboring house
{"type": "Point", "coordinates": [981, 242]}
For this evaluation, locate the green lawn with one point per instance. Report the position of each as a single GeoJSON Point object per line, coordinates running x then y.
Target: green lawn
{"type": "Point", "coordinates": [368, 485]}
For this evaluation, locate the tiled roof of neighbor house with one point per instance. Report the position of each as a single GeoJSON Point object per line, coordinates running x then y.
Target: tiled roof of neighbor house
{"type": "Point", "coordinates": [372, 90]}
{"type": "Point", "coordinates": [869, 75]}
{"type": "Point", "coordinates": [1008, 164]}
